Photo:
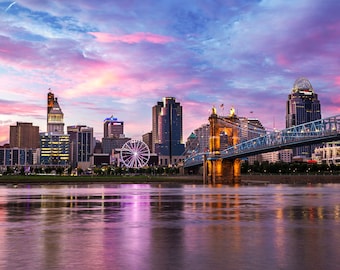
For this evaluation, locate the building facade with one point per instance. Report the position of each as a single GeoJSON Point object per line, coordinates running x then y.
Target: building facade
{"type": "Point", "coordinates": [113, 128]}
{"type": "Point", "coordinates": [54, 144]}
{"type": "Point", "coordinates": [147, 138]}
{"type": "Point", "coordinates": [109, 144]}
{"type": "Point", "coordinates": [203, 133]}
{"type": "Point", "coordinates": [54, 149]}
{"type": "Point", "coordinates": [24, 135]}
{"type": "Point", "coordinates": [191, 145]}
{"type": "Point", "coordinates": [302, 106]}
{"type": "Point", "coordinates": [81, 144]}
{"type": "Point", "coordinates": [17, 157]}
{"type": "Point", "coordinates": [167, 131]}
{"type": "Point", "coordinates": [114, 137]}
{"type": "Point", "coordinates": [55, 116]}
{"type": "Point", "coordinates": [328, 154]}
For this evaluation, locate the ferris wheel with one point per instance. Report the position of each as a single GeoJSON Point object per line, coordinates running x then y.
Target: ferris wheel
{"type": "Point", "coordinates": [135, 154]}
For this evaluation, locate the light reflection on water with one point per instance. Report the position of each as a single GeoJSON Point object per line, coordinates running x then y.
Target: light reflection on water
{"type": "Point", "coordinates": [169, 226]}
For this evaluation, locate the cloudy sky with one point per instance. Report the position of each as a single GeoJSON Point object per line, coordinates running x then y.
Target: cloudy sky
{"type": "Point", "coordinates": [120, 57]}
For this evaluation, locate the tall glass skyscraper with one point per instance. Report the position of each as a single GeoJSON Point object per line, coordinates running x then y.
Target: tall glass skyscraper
{"type": "Point", "coordinates": [167, 131]}
{"type": "Point", "coordinates": [81, 144]}
{"type": "Point", "coordinates": [302, 106]}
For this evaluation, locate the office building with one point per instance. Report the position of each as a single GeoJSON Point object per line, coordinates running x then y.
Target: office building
{"type": "Point", "coordinates": [109, 144]}
{"type": "Point", "coordinates": [24, 135]}
{"type": "Point", "coordinates": [203, 134]}
{"type": "Point", "coordinates": [302, 106]}
{"type": "Point", "coordinates": [55, 116]}
{"type": "Point", "coordinates": [81, 144]}
{"type": "Point", "coordinates": [328, 154]}
{"type": "Point", "coordinates": [286, 155]}
{"type": "Point", "coordinates": [54, 149]}
{"type": "Point", "coordinates": [252, 128]}
{"type": "Point", "coordinates": [17, 156]}
{"type": "Point", "coordinates": [113, 128]}
{"type": "Point", "coordinates": [147, 138]}
{"type": "Point", "coordinates": [191, 145]}
{"type": "Point", "coordinates": [54, 144]}
{"type": "Point", "coordinates": [167, 131]}
{"type": "Point", "coordinates": [114, 137]}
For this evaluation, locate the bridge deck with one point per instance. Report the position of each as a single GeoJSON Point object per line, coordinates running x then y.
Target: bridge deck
{"type": "Point", "coordinates": [319, 131]}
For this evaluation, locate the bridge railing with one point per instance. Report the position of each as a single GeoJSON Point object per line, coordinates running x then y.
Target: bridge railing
{"type": "Point", "coordinates": [308, 133]}
{"type": "Point", "coordinates": [318, 130]}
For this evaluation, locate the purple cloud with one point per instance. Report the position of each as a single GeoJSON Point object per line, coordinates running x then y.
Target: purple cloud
{"type": "Point", "coordinates": [103, 58]}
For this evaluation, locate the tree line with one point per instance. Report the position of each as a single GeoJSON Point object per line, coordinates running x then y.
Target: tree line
{"type": "Point", "coordinates": [288, 168]}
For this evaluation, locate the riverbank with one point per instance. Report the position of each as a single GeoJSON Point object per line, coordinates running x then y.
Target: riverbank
{"type": "Point", "coordinates": [186, 179]}
{"type": "Point", "coordinates": [290, 179]}
{"type": "Point", "coordinates": [121, 179]}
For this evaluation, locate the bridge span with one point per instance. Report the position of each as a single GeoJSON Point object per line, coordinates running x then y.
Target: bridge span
{"type": "Point", "coordinates": [223, 165]}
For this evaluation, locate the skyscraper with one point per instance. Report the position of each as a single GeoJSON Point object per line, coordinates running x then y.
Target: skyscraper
{"type": "Point", "coordinates": [302, 106]}
{"type": "Point", "coordinates": [24, 135]}
{"type": "Point", "coordinates": [54, 144]}
{"type": "Point", "coordinates": [167, 131]}
{"type": "Point", "coordinates": [55, 116]}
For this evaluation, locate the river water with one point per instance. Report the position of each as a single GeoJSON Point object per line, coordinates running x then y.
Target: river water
{"type": "Point", "coordinates": [169, 226]}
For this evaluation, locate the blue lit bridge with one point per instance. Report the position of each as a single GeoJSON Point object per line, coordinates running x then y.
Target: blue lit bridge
{"type": "Point", "coordinates": [319, 131]}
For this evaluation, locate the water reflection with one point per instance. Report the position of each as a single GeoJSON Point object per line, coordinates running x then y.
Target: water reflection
{"type": "Point", "coordinates": [169, 227]}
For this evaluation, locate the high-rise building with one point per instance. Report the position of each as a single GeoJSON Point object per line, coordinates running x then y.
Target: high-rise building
{"type": "Point", "coordinates": [113, 128]}
{"type": "Point", "coordinates": [24, 135]}
{"type": "Point", "coordinates": [203, 134]}
{"type": "Point", "coordinates": [251, 128]}
{"type": "Point", "coordinates": [81, 144]}
{"type": "Point", "coordinates": [167, 131]}
{"type": "Point", "coordinates": [54, 144]}
{"type": "Point", "coordinates": [191, 145]}
{"type": "Point", "coordinates": [55, 116]}
{"type": "Point", "coordinates": [114, 136]}
{"type": "Point", "coordinates": [54, 149]}
{"type": "Point", "coordinates": [302, 106]}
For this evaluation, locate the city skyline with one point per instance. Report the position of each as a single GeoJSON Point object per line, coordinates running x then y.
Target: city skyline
{"type": "Point", "coordinates": [104, 58]}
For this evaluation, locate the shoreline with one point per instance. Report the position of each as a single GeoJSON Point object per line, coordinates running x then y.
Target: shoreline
{"type": "Point", "coordinates": [292, 179]}
{"type": "Point", "coordinates": [61, 180]}
{"type": "Point", "coordinates": [185, 179]}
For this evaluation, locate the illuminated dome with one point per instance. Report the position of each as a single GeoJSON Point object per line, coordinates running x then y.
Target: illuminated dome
{"type": "Point", "coordinates": [302, 85]}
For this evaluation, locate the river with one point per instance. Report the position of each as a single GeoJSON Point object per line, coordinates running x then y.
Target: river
{"type": "Point", "coordinates": [169, 226]}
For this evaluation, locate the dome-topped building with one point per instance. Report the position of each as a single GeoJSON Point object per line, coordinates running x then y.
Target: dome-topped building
{"type": "Point", "coordinates": [302, 85]}
{"type": "Point", "coordinates": [302, 106]}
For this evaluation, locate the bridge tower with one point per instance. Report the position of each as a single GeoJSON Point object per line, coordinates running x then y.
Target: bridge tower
{"type": "Point", "coordinates": [218, 170]}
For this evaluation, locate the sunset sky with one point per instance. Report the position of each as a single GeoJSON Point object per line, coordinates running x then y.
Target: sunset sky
{"type": "Point", "coordinates": [103, 58]}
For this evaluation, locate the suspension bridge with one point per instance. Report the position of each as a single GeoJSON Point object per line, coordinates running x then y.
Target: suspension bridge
{"type": "Point", "coordinates": [223, 165]}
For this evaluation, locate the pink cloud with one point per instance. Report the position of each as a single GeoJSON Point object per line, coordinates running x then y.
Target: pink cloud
{"type": "Point", "coordinates": [4, 132]}
{"type": "Point", "coordinates": [20, 109]}
{"type": "Point", "coordinates": [132, 38]}
{"type": "Point", "coordinates": [337, 80]}
{"type": "Point", "coordinates": [282, 60]}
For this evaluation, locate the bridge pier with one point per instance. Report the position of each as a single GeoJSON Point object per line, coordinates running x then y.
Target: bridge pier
{"type": "Point", "coordinates": [222, 171]}
{"type": "Point", "coordinates": [216, 169]}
